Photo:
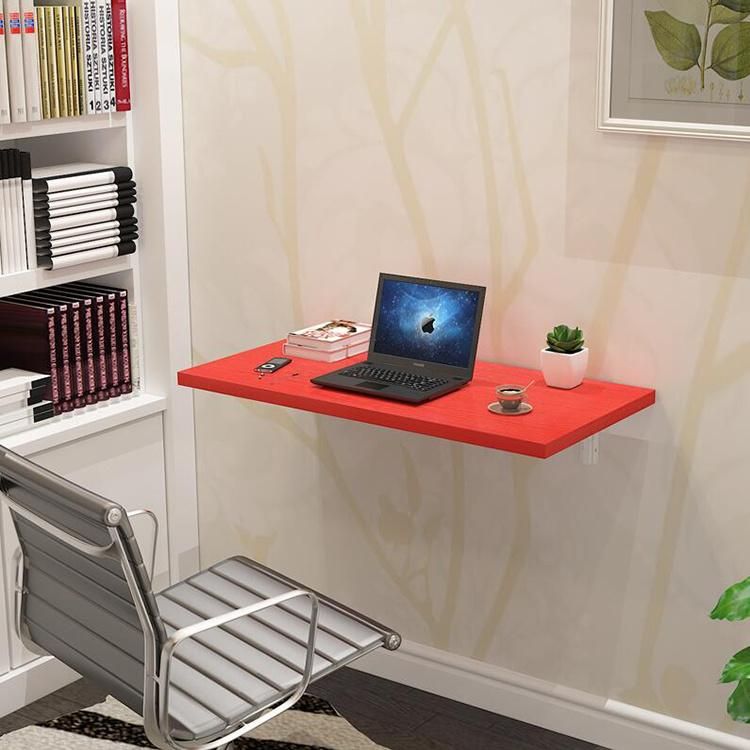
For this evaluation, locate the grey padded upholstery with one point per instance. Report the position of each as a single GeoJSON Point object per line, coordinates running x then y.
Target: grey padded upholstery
{"type": "Point", "coordinates": [226, 673]}
{"type": "Point", "coordinates": [80, 608]}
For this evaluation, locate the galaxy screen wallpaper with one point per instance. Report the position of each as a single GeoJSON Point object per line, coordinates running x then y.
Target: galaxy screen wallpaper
{"type": "Point", "coordinates": [430, 323]}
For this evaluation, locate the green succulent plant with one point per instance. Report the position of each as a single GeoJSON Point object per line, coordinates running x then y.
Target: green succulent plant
{"type": "Point", "coordinates": [565, 340]}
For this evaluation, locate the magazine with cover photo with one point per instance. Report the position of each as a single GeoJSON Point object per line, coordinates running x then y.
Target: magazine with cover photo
{"type": "Point", "coordinates": [331, 335]}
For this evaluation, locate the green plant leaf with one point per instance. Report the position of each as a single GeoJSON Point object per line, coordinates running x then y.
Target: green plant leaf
{"type": "Point", "coordinates": [739, 6]}
{"type": "Point", "coordinates": [738, 667]}
{"type": "Point", "coordinates": [722, 15]}
{"type": "Point", "coordinates": [734, 603]}
{"type": "Point", "coordinates": [738, 705]}
{"type": "Point", "coordinates": [730, 54]}
{"type": "Point", "coordinates": [679, 43]}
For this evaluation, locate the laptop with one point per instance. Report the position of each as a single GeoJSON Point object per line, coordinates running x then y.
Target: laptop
{"type": "Point", "coordinates": [423, 342]}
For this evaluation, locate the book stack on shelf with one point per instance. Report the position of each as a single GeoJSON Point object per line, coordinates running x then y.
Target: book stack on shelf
{"type": "Point", "coordinates": [77, 335]}
{"type": "Point", "coordinates": [331, 341]}
{"type": "Point", "coordinates": [83, 213]}
{"type": "Point", "coordinates": [17, 249]}
{"type": "Point", "coordinates": [66, 59]}
{"type": "Point", "coordinates": [24, 400]}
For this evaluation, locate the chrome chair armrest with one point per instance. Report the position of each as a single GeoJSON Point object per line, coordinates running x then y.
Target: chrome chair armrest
{"type": "Point", "coordinates": [190, 631]}
{"type": "Point", "coordinates": [155, 522]}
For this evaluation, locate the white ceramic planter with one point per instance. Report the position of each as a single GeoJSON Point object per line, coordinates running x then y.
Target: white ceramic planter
{"type": "Point", "coordinates": [564, 370]}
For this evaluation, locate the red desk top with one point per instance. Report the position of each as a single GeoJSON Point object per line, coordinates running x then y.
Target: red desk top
{"type": "Point", "coordinates": [560, 418]}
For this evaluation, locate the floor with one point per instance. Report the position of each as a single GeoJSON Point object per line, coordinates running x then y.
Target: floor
{"type": "Point", "coordinates": [393, 715]}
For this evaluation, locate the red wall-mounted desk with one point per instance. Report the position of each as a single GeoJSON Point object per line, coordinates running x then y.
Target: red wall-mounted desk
{"type": "Point", "coordinates": [560, 418]}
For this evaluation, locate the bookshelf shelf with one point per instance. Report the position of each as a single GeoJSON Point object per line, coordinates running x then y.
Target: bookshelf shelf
{"type": "Point", "coordinates": [28, 281]}
{"type": "Point", "coordinates": [62, 126]}
{"type": "Point", "coordinates": [82, 423]}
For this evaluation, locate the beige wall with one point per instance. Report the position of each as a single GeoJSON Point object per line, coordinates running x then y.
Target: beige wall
{"type": "Point", "coordinates": [330, 140]}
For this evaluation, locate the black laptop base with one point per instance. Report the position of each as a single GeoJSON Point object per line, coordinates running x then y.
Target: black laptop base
{"type": "Point", "coordinates": [366, 378]}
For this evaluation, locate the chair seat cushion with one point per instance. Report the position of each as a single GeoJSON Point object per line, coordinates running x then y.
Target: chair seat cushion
{"type": "Point", "coordinates": [224, 674]}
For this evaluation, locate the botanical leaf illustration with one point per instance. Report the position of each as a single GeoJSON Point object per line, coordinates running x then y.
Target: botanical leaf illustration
{"type": "Point", "coordinates": [722, 15]}
{"type": "Point", "coordinates": [730, 54]}
{"type": "Point", "coordinates": [679, 43]}
{"type": "Point", "coordinates": [738, 705]}
{"type": "Point", "coordinates": [734, 603]}
{"type": "Point", "coordinates": [741, 6]}
{"type": "Point", "coordinates": [738, 667]}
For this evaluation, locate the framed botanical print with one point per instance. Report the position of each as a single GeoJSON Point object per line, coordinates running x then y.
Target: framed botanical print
{"type": "Point", "coordinates": [675, 67]}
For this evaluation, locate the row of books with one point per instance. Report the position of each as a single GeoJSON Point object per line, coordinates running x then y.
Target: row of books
{"type": "Point", "coordinates": [63, 216]}
{"type": "Point", "coordinates": [331, 341]}
{"type": "Point", "coordinates": [23, 400]}
{"type": "Point", "coordinates": [77, 335]}
{"type": "Point", "coordinates": [63, 60]}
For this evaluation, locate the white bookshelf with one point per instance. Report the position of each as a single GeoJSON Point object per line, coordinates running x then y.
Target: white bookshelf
{"type": "Point", "coordinates": [61, 126]}
{"type": "Point", "coordinates": [148, 436]}
{"type": "Point", "coordinates": [16, 283]}
{"type": "Point", "coordinates": [85, 422]}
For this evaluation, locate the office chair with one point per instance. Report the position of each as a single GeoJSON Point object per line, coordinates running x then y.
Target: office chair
{"type": "Point", "coordinates": [205, 661]}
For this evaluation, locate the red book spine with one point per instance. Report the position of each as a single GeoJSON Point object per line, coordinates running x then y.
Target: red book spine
{"type": "Point", "coordinates": [122, 55]}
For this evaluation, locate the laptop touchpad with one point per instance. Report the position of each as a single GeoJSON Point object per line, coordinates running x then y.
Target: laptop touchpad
{"type": "Point", "coordinates": [372, 386]}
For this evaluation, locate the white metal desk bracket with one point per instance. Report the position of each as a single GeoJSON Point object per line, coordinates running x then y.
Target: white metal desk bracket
{"type": "Point", "coordinates": [590, 451]}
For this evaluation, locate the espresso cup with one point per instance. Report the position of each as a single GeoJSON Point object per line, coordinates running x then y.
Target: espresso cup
{"type": "Point", "coordinates": [510, 397]}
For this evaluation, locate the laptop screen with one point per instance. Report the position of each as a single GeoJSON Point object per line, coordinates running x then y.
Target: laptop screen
{"type": "Point", "coordinates": [427, 322]}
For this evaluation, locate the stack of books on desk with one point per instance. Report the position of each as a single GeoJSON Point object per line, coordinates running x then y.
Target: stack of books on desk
{"type": "Point", "coordinates": [24, 400]}
{"type": "Point", "coordinates": [83, 213]}
{"type": "Point", "coordinates": [331, 341]}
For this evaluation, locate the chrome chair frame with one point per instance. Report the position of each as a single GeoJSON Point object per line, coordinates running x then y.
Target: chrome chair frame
{"type": "Point", "coordinates": [158, 663]}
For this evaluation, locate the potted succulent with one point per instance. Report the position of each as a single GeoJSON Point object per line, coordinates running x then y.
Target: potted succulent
{"type": "Point", "coordinates": [565, 358]}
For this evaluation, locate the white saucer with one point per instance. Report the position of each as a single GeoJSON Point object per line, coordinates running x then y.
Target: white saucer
{"type": "Point", "coordinates": [524, 408]}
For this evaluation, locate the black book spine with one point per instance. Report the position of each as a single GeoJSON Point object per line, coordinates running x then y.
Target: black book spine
{"type": "Point", "coordinates": [112, 318]}
{"type": "Point", "coordinates": [100, 349]}
{"type": "Point", "coordinates": [30, 342]}
{"type": "Point", "coordinates": [124, 343]}
{"type": "Point", "coordinates": [88, 343]}
{"type": "Point", "coordinates": [77, 339]}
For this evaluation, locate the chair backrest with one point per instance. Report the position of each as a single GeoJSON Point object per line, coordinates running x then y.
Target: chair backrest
{"type": "Point", "coordinates": [82, 575]}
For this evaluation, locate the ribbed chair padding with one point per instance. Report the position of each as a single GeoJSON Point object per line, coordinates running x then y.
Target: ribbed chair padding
{"type": "Point", "coordinates": [80, 608]}
{"type": "Point", "coordinates": [226, 673]}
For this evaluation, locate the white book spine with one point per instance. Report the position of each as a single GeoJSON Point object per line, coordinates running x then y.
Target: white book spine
{"type": "Point", "coordinates": [102, 226]}
{"type": "Point", "coordinates": [82, 193]}
{"type": "Point", "coordinates": [57, 184]}
{"type": "Point", "coordinates": [28, 210]}
{"type": "Point", "coordinates": [14, 51]}
{"type": "Point", "coordinates": [6, 265]}
{"type": "Point", "coordinates": [4, 91]}
{"type": "Point", "coordinates": [56, 252]}
{"type": "Point", "coordinates": [82, 201]}
{"type": "Point", "coordinates": [87, 256]}
{"type": "Point", "coordinates": [95, 55]}
{"type": "Point", "coordinates": [109, 31]}
{"type": "Point", "coordinates": [108, 234]}
{"type": "Point", "coordinates": [55, 213]}
{"type": "Point", "coordinates": [19, 224]}
{"type": "Point", "coordinates": [87, 46]}
{"type": "Point", "coordinates": [83, 220]}
{"type": "Point", "coordinates": [101, 31]}
{"type": "Point", "coordinates": [29, 44]}
{"type": "Point", "coordinates": [9, 251]}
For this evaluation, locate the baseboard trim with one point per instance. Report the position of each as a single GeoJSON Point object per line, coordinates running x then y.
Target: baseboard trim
{"type": "Point", "coordinates": [29, 683]}
{"type": "Point", "coordinates": [600, 721]}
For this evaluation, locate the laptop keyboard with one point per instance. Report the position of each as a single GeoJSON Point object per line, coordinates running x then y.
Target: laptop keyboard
{"type": "Point", "coordinates": [420, 383]}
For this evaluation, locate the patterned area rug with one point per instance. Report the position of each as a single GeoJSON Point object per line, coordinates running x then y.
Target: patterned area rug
{"type": "Point", "coordinates": [313, 724]}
